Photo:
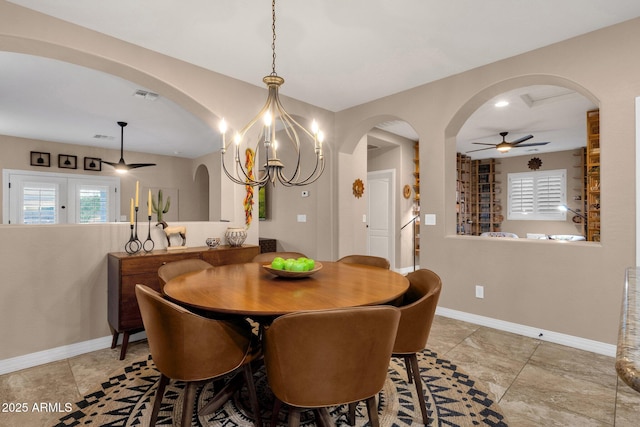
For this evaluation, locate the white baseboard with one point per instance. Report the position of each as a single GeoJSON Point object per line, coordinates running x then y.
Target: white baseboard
{"type": "Point", "coordinates": [528, 331]}
{"type": "Point", "coordinates": [60, 353]}
{"type": "Point", "coordinates": [406, 270]}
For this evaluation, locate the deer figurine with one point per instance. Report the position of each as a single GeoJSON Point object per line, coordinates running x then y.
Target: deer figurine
{"type": "Point", "coordinates": [173, 230]}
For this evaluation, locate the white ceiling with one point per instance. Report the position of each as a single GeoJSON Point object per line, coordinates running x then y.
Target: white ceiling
{"type": "Point", "coordinates": [332, 53]}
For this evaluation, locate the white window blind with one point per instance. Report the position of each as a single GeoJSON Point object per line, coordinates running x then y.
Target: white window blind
{"type": "Point", "coordinates": [57, 198]}
{"type": "Point", "coordinates": [39, 203]}
{"type": "Point", "coordinates": [537, 195]}
{"type": "Point", "coordinates": [93, 203]}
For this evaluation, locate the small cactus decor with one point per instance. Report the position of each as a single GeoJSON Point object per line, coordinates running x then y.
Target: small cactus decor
{"type": "Point", "coordinates": [158, 206]}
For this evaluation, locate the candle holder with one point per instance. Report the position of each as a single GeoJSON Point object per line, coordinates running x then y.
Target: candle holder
{"type": "Point", "coordinates": [149, 243]}
{"type": "Point", "coordinates": [134, 245]}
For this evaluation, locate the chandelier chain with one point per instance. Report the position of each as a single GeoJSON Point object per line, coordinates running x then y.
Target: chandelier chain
{"type": "Point", "coordinates": [275, 122]}
{"type": "Point", "coordinates": [273, 41]}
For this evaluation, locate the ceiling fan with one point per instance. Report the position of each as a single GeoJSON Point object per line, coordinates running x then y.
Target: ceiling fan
{"type": "Point", "coordinates": [505, 146]}
{"type": "Point", "coordinates": [121, 166]}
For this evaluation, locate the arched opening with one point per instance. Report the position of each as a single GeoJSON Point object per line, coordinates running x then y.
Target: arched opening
{"type": "Point", "coordinates": [201, 183]}
{"type": "Point", "coordinates": [385, 159]}
{"type": "Point", "coordinates": [546, 165]}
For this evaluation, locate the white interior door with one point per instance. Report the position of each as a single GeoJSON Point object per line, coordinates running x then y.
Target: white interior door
{"type": "Point", "coordinates": [381, 217]}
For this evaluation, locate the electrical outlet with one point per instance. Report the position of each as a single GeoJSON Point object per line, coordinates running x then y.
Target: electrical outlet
{"type": "Point", "coordinates": [479, 291]}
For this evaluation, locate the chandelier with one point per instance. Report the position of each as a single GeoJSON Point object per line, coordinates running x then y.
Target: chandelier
{"type": "Point", "coordinates": [273, 120]}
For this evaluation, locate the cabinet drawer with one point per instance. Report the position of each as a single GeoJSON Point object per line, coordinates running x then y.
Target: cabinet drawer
{"type": "Point", "coordinates": [230, 255]}
{"type": "Point", "coordinates": [151, 264]}
{"type": "Point", "coordinates": [130, 317]}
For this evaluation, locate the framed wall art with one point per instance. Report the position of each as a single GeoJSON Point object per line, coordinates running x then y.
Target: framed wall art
{"type": "Point", "coordinates": [92, 164]}
{"type": "Point", "coordinates": [66, 161]}
{"type": "Point", "coordinates": [39, 158]}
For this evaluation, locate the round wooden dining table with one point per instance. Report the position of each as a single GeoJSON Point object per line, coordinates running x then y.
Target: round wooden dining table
{"type": "Point", "coordinates": [250, 290]}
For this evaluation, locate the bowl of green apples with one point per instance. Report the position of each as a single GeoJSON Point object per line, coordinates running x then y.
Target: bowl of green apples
{"type": "Point", "coordinates": [292, 268]}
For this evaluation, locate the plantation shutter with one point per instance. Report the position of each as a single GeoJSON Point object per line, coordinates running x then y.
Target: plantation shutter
{"type": "Point", "coordinates": [537, 195]}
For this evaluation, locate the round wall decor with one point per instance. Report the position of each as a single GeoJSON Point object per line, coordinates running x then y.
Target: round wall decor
{"type": "Point", "coordinates": [358, 188]}
{"type": "Point", "coordinates": [535, 163]}
{"type": "Point", "coordinates": [406, 191]}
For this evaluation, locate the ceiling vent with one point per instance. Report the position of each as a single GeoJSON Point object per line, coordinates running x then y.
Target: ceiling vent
{"type": "Point", "coordinates": [149, 96]}
{"type": "Point", "coordinates": [98, 136]}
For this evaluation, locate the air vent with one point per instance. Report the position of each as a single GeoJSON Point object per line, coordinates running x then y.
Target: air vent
{"type": "Point", "coordinates": [98, 136]}
{"type": "Point", "coordinates": [149, 96]}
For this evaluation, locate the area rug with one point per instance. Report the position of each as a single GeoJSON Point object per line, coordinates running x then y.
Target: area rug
{"type": "Point", "coordinates": [453, 399]}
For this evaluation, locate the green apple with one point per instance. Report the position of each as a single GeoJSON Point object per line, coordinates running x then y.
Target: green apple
{"type": "Point", "coordinates": [288, 264]}
{"type": "Point", "coordinates": [277, 263]}
{"type": "Point", "coordinates": [309, 264]}
{"type": "Point", "coordinates": [298, 266]}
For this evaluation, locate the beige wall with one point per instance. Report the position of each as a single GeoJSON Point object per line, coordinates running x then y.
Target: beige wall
{"type": "Point", "coordinates": [50, 299]}
{"type": "Point", "coordinates": [573, 289]}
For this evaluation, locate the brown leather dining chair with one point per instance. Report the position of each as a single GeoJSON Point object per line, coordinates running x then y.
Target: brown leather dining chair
{"type": "Point", "coordinates": [371, 260]}
{"type": "Point", "coordinates": [316, 359]}
{"type": "Point", "coordinates": [190, 348]}
{"type": "Point", "coordinates": [173, 269]}
{"type": "Point", "coordinates": [269, 256]}
{"type": "Point", "coordinates": [417, 312]}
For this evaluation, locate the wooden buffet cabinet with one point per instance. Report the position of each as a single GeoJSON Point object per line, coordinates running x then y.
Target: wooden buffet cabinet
{"type": "Point", "coordinates": [125, 271]}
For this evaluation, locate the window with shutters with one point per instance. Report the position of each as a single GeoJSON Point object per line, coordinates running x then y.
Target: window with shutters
{"type": "Point", "coordinates": [537, 195]}
{"type": "Point", "coordinates": [57, 198]}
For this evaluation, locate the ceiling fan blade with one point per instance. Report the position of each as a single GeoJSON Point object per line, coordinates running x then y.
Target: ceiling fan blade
{"type": "Point", "coordinates": [114, 164]}
{"type": "Point", "coordinates": [483, 143]}
{"type": "Point", "coordinates": [140, 165]}
{"type": "Point", "coordinates": [481, 149]}
{"type": "Point", "coordinates": [122, 165]}
{"type": "Point", "coordinates": [519, 140]}
{"type": "Point", "coordinates": [533, 144]}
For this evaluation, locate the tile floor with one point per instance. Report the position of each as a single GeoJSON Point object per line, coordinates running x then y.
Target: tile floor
{"type": "Point", "coordinates": [535, 382]}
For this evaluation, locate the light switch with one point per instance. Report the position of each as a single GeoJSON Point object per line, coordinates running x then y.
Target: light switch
{"type": "Point", "coordinates": [430, 219]}
{"type": "Point", "coordinates": [302, 218]}
{"type": "Point", "coordinates": [364, 218]}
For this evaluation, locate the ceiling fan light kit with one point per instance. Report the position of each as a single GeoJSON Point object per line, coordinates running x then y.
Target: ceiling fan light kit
{"type": "Point", "coordinates": [121, 166]}
{"type": "Point", "coordinates": [505, 146]}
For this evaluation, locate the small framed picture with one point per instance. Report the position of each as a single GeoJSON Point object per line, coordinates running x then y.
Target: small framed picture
{"type": "Point", "coordinates": [39, 158]}
{"type": "Point", "coordinates": [66, 161]}
{"type": "Point", "coordinates": [92, 164]}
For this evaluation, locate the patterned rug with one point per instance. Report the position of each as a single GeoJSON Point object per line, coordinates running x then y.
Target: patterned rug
{"type": "Point", "coordinates": [453, 399]}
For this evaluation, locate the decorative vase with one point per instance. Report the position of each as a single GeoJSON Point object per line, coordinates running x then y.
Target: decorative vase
{"type": "Point", "coordinates": [212, 242]}
{"type": "Point", "coordinates": [235, 236]}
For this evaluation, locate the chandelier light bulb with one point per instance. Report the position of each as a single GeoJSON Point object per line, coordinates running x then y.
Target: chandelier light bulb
{"type": "Point", "coordinates": [267, 119]}
{"type": "Point", "coordinates": [223, 126]}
